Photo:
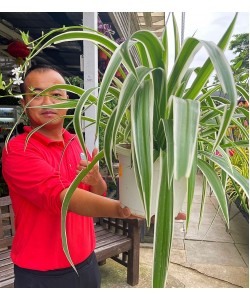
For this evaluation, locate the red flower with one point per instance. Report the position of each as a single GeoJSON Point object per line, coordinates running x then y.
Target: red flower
{"type": "Point", "coordinates": [231, 152]}
{"type": "Point", "coordinates": [102, 55]}
{"type": "Point", "coordinates": [18, 49]}
{"type": "Point", "coordinates": [218, 153]}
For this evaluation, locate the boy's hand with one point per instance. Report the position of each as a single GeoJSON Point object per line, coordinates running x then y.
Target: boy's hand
{"type": "Point", "coordinates": [94, 177]}
{"type": "Point", "coordinates": [125, 213]}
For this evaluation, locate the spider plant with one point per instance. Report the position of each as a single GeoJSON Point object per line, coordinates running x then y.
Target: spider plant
{"type": "Point", "coordinates": [240, 161]}
{"type": "Point", "coordinates": [167, 115]}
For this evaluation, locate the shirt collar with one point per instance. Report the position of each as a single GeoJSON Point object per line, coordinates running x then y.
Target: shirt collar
{"type": "Point", "coordinates": [45, 140]}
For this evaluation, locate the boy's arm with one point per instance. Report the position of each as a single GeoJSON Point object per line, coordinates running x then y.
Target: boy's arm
{"type": "Point", "coordinates": [89, 204]}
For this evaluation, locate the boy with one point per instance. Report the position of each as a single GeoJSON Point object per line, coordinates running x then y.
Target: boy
{"type": "Point", "coordinates": [38, 174]}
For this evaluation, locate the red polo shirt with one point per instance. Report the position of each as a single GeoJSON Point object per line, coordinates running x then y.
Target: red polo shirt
{"type": "Point", "coordinates": [35, 177]}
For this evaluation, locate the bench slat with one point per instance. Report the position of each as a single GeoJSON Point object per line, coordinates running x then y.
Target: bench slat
{"type": "Point", "coordinates": [7, 266]}
{"type": "Point", "coordinates": [111, 239]}
{"type": "Point", "coordinates": [4, 254]}
{"type": "Point", "coordinates": [9, 283]}
{"type": "Point", "coordinates": [111, 250]}
{"type": "Point", "coordinates": [7, 274]}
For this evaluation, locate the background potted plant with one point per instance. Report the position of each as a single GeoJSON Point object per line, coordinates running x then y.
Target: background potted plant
{"type": "Point", "coordinates": [166, 116]}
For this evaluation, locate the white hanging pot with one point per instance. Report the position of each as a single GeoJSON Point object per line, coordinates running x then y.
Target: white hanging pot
{"type": "Point", "coordinates": [128, 191]}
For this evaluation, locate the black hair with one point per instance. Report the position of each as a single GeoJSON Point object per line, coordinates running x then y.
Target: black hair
{"type": "Point", "coordinates": [20, 128]}
{"type": "Point", "coordinates": [38, 67]}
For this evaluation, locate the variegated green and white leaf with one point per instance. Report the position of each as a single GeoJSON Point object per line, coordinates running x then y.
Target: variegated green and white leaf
{"type": "Point", "coordinates": [216, 185]}
{"type": "Point", "coordinates": [186, 115]}
{"type": "Point", "coordinates": [232, 172]}
{"type": "Point", "coordinates": [142, 133]}
{"type": "Point", "coordinates": [164, 225]}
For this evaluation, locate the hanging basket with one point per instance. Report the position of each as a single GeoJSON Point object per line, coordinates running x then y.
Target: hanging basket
{"type": "Point", "coordinates": [18, 50]}
{"type": "Point", "coordinates": [102, 55]}
{"type": "Point", "coordinates": [129, 194]}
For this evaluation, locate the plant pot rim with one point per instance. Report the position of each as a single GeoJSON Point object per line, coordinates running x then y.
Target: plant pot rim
{"type": "Point", "coordinates": [124, 149]}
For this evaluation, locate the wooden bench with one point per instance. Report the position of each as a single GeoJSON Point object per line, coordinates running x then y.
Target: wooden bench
{"type": "Point", "coordinates": [7, 231]}
{"type": "Point", "coordinates": [115, 238]}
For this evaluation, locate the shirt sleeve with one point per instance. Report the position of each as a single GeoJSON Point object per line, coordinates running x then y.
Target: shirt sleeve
{"type": "Point", "coordinates": [32, 178]}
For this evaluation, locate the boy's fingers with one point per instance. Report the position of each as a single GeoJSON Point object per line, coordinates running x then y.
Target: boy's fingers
{"type": "Point", "coordinates": [94, 152]}
{"type": "Point", "coordinates": [126, 212]}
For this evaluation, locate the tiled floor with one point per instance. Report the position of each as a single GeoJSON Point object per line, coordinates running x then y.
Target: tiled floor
{"type": "Point", "coordinates": [212, 242]}
{"type": "Point", "coordinates": [206, 256]}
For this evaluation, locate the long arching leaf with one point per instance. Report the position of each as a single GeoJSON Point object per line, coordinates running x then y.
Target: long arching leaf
{"type": "Point", "coordinates": [186, 115]}
{"type": "Point", "coordinates": [164, 225]}
{"type": "Point", "coordinates": [216, 186]}
{"type": "Point", "coordinates": [142, 132]}
{"type": "Point", "coordinates": [66, 201]}
{"type": "Point", "coordinates": [232, 172]}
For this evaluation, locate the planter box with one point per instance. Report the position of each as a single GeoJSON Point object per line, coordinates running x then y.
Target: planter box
{"type": "Point", "coordinates": [128, 191]}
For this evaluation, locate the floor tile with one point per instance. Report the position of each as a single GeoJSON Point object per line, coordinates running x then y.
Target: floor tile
{"type": "Point", "coordinates": [213, 253]}
{"type": "Point", "coordinates": [214, 233]}
{"type": "Point", "coordinates": [244, 252]}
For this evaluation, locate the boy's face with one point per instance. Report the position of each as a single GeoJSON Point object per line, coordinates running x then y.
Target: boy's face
{"type": "Point", "coordinates": [35, 82]}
